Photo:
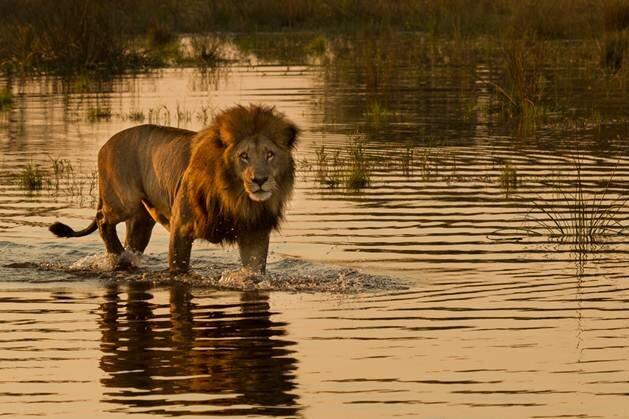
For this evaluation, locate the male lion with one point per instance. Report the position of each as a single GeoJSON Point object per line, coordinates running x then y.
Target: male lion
{"type": "Point", "coordinates": [227, 183]}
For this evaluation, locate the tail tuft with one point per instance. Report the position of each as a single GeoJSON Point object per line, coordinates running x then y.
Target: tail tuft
{"type": "Point", "coordinates": [61, 230]}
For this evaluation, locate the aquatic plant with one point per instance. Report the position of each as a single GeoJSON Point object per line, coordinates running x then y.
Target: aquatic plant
{"type": "Point", "coordinates": [351, 170]}
{"type": "Point", "coordinates": [60, 168]}
{"type": "Point", "coordinates": [327, 167]}
{"type": "Point", "coordinates": [204, 115]}
{"type": "Point", "coordinates": [614, 49]}
{"type": "Point", "coordinates": [136, 116]}
{"type": "Point", "coordinates": [31, 177]}
{"type": "Point", "coordinates": [317, 45]}
{"type": "Point", "coordinates": [378, 113]}
{"type": "Point", "coordinates": [6, 99]}
{"type": "Point", "coordinates": [99, 113]}
{"type": "Point", "coordinates": [69, 183]}
{"type": "Point", "coordinates": [407, 161]}
{"type": "Point", "coordinates": [576, 216]}
{"type": "Point", "coordinates": [159, 115]}
{"type": "Point", "coordinates": [79, 35]}
{"type": "Point", "coordinates": [358, 171]}
{"type": "Point", "coordinates": [522, 91]}
{"type": "Point", "coordinates": [207, 50]}
{"type": "Point", "coordinates": [615, 14]}
{"type": "Point", "coordinates": [508, 177]}
{"type": "Point", "coordinates": [159, 34]}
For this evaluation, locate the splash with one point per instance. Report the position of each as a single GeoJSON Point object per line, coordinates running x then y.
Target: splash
{"type": "Point", "coordinates": [105, 262]}
{"type": "Point", "coordinates": [284, 274]}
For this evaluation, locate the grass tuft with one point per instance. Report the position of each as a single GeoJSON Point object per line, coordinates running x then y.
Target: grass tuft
{"type": "Point", "coordinates": [6, 99]}
{"type": "Point", "coordinates": [508, 178]}
{"type": "Point", "coordinates": [575, 216]}
{"type": "Point", "coordinates": [317, 46]}
{"type": "Point", "coordinates": [614, 51]}
{"type": "Point", "coordinates": [378, 113]}
{"type": "Point", "coordinates": [327, 167]}
{"type": "Point", "coordinates": [31, 178]}
{"type": "Point", "coordinates": [99, 114]}
{"type": "Point", "coordinates": [358, 176]}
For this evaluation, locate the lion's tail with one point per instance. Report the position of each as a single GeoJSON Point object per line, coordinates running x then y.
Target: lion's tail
{"type": "Point", "coordinates": [64, 230]}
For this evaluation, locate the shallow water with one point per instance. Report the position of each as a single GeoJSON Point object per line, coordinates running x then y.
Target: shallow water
{"type": "Point", "coordinates": [437, 290]}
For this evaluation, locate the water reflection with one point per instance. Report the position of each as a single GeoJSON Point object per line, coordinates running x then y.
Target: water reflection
{"type": "Point", "coordinates": [195, 355]}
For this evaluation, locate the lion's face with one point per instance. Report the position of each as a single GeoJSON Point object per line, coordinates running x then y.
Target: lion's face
{"type": "Point", "coordinates": [258, 162]}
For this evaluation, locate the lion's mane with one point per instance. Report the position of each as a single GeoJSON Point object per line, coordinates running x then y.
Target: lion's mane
{"type": "Point", "coordinates": [218, 201]}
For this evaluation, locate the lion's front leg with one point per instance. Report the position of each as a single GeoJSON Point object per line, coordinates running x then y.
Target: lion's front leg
{"type": "Point", "coordinates": [254, 248]}
{"type": "Point", "coordinates": [179, 249]}
{"type": "Point", "coordinates": [181, 238]}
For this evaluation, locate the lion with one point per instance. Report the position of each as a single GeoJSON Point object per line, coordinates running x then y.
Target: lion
{"type": "Point", "coordinates": [228, 183]}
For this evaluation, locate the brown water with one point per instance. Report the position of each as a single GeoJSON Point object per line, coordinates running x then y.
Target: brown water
{"type": "Point", "coordinates": [435, 291]}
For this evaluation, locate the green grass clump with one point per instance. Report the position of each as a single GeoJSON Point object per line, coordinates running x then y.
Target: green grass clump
{"type": "Point", "coordinates": [508, 177]}
{"type": "Point", "coordinates": [6, 99]}
{"type": "Point", "coordinates": [358, 174]}
{"type": "Point", "coordinates": [522, 91]}
{"type": "Point", "coordinates": [98, 114]}
{"type": "Point", "coordinates": [407, 161]}
{"type": "Point", "coordinates": [31, 178]}
{"type": "Point", "coordinates": [614, 51]}
{"type": "Point", "coordinates": [378, 113]}
{"type": "Point", "coordinates": [136, 116]}
{"type": "Point", "coordinates": [159, 35]}
{"type": "Point", "coordinates": [317, 46]}
{"type": "Point", "coordinates": [327, 167]}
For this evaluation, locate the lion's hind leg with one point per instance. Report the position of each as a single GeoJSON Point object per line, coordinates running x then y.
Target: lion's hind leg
{"type": "Point", "coordinates": [139, 229]}
{"type": "Point", "coordinates": [107, 221]}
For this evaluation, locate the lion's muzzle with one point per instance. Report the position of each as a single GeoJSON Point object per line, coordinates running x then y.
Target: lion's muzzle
{"type": "Point", "coordinates": [259, 188]}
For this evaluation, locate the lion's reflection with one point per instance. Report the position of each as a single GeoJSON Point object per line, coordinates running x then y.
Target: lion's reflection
{"type": "Point", "coordinates": [160, 358]}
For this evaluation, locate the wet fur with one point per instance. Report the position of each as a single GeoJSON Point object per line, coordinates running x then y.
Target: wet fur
{"type": "Point", "coordinates": [190, 183]}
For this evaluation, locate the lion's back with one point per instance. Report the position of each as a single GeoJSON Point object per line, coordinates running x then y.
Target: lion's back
{"type": "Point", "coordinates": [146, 160]}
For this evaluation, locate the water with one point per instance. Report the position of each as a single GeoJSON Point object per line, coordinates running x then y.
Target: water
{"type": "Point", "coordinates": [442, 289]}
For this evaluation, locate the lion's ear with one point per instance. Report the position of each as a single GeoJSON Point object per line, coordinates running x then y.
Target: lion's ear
{"type": "Point", "coordinates": [225, 136]}
{"type": "Point", "coordinates": [292, 132]}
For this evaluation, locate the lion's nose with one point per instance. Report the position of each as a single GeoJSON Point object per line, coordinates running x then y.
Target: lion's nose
{"type": "Point", "coordinates": [260, 180]}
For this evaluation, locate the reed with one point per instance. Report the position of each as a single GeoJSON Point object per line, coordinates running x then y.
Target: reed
{"type": "Point", "coordinates": [6, 99]}
{"type": "Point", "coordinates": [614, 49]}
{"type": "Point", "coordinates": [378, 114]}
{"type": "Point", "coordinates": [508, 178]}
{"type": "Point", "coordinates": [136, 116]}
{"type": "Point", "coordinates": [358, 170]}
{"type": "Point", "coordinates": [577, 216]}
{"type": "Point", "coordinates": [31, 177]}
{"type": "Point", "coordinates": [522, 92]}
{"type": "Point", "coordinates": [327, 167]}
{"type": "Point", "coordinates": [317, 46]}
{"type": "Point", "coordinates": [99, 113]}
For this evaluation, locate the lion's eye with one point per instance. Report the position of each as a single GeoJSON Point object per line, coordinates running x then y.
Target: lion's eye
{"type": "Point", "coordinates": [269, 155]}
{"type": "Point", "coordinates": [244, 156]}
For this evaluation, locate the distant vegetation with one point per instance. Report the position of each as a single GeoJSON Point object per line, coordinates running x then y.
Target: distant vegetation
{"type": "Point", "coordinates": [89, 35]}
{"type": "Point", "coordinates": [5, 99]}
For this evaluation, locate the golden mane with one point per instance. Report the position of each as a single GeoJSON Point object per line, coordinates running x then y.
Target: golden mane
{"type": "Point", "coordinates": [219, 202]}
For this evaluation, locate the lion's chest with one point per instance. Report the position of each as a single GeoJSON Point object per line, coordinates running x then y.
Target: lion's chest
{"type": "Point", "coordinates": [219, 230]}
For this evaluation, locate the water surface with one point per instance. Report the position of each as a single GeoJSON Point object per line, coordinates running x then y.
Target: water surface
{"type": "Point", "coordinates": [438, 290]}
